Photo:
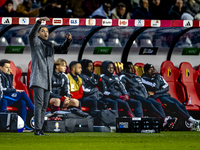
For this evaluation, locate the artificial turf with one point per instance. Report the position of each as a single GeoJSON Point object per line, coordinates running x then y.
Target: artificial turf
{"type": "Point", "coordinates": [96, 140]}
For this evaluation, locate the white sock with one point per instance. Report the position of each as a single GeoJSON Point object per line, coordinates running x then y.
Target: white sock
{"type": "Point", "coordinates": [191, 119]}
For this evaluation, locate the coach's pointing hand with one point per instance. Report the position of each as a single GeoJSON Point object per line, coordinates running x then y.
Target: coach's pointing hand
{"type": "Point", "coordinates": [44, 19]}
{"type": "Point", "coordinates": [69, 37]}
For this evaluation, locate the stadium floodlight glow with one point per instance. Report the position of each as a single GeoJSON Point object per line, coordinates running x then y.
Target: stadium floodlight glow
{"type": "Point", "coordinates": [101, 41]}
{"type": "Point", "coordinates": [3, 39]}
{"type": "Point", "coordinates": [117, 41]}
{"type": "Point", "coordinates": [19, 40]}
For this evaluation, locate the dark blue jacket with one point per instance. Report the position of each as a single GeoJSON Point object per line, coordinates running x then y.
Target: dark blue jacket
{"type": "Point", "coordinates": [141, 13]}
{"type": "Point", "coordinates": [5, 13]}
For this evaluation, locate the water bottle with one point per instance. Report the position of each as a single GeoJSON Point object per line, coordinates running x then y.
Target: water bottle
{"type": "Point", "coordinates": [148, 131]}
{"type": "Point", "coordinates": [189, 101]}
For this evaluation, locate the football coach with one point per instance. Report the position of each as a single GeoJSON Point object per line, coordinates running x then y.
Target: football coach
{"type": "Point", "coordinates": [42, 55]}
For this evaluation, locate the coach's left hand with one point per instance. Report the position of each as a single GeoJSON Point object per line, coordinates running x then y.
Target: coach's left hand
{"type": "Point", "coordinates": [69, 36]}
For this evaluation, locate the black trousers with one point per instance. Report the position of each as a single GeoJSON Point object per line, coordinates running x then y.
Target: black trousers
{"type": "Point", "coordinates": [91, 103]}
{"type": "Point", "coordinates": [110, 103]}
{"type": "Point", "coordinates": [128, 105]}
{"type": "Point", "coordinates": [154, 108]}
{"type": "Point", "coordinates": [174, 105]}
{"type": "Point", "coordinates": [41, 99]}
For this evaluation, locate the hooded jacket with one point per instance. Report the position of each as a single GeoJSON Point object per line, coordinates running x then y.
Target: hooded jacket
{"type": "Point", "coordinates": [134, 85]}
{"type": "Point", "coordinates": [90, 82]}
{"type": "Point", "coordinates": [111, 85]}
{"type": "Point", "coordinates": [6, 81]}
{"type": "Point", "coordinates": [60, 85]}
{"type": "Point", "coordinates": [156, 84]}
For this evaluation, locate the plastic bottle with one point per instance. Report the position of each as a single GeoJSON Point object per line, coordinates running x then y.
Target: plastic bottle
{"type": "Point", "coordinates": [190, 100]}
{"type": "Point", "coordinates": [148, 131]}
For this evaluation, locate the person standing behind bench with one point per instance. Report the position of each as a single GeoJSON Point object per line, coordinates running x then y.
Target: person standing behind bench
{"type": "Point", "coordinates": [42, 54]}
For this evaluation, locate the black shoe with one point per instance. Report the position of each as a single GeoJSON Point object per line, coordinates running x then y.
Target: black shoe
{"type": "Point", "coordinates": [37, 132]}
{"type": "Point", "coordinates": [42, 133]}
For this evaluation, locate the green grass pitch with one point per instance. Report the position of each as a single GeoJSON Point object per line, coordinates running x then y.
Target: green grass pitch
{"type": "Point", "coordinates": [96, 140]}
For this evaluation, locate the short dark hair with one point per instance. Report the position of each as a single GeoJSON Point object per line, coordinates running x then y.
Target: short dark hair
{"type": "Point", "coordinates": [73, 63]}
{"type": "Point", "coordinates": [106, 1]}
{"type": "Point", "coordinates": [41, 28]}
{"type": "Point", "coordinates": [8, 2]}
{"type": "Point", "coordinates": [121, 5]}
{"type": "Point", "coordinates": [3, 62]}
{"type": "Point", "coordinates": [126, 64]}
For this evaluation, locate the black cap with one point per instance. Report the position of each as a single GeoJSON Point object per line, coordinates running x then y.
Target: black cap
{"type": "Point", "coordinates": [147, 67]}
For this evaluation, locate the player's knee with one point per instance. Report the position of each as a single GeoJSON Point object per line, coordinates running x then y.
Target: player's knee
{"type": "Point", "coordinates": [75, 103]}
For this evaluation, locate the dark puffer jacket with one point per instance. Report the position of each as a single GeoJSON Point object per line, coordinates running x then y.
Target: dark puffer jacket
{"type": "Point", "coordinates": [156, 84]}
{"type": "Point", "coordinates": [60, 85]}
{"type": "Point", "coordinates": [133, 85]}
{"type": "Point", "coordinates": [111, 85]}
{"type": "Point", "coordinates": [90, 81]}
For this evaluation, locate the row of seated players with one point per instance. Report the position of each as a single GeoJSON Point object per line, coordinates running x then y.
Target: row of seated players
{"type": "Point", "coordinates": [126, 91]}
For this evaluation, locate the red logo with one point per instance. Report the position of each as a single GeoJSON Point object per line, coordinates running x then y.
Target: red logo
{"type": "Point", "coordinates": [57, 21]}
{"type": "Point", "coordinates": [123, 23]}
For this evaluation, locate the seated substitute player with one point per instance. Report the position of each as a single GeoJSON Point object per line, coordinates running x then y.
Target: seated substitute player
{"type": "Point", "coordinates": [60, 94]}
{"type": "Point", "coordinates": [157, 87]}
{"type": "Point", "coordinates": [90, 84]}
{"type": "Point", "coordinates": [76, 88]}
{"type": "Point", "coordinates": [12, 96]}
{"type": "Point", "coordinates": [137, 90]}
{"type": "Point", "coordinates": [113, 88]}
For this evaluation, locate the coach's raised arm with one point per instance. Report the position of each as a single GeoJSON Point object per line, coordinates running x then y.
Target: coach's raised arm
{"type": "Point", "coordinates": [42, 55]}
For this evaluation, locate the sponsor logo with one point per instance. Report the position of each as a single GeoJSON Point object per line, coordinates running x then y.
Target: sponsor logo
{"type": "Point", "coordinates": [139, 23]}
{"type": "Point", "coordinates": [123, 22]}
{"type": "Point", "coordinates": [148, 51]}
{"type": "Point", "coordinates": [187, 23]}
{"type": "Point", "coordinates": [57, 127]}
{"type": "Point", "coordinates": [74, 22]}
{"type": "Point", "coordinates": [6, 20]}
{"type": "Point", "coordinates": [57, 21]}
{"type": "Point", "coordinates": [155, 23]}
{"type": "Point", "coordinates": [90, 22]}
{"type": "Point", "coordinates": [107, 22]}
{"type": "Point", "coordinates": [24, 21]}
{"type": "Point", "coordinates": [42, 23]}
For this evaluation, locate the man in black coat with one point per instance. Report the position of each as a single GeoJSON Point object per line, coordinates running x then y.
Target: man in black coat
{"type": "Point", "coordinates": [90, 83]}
{"type": "Point", "coordinates": [176, 10]}
{"type": "Point", "coordinates": [113, 88]}
{"type": "Point", "coordinates": [157, 87]}
{"type": "Point", "coordinates": [138, 91]}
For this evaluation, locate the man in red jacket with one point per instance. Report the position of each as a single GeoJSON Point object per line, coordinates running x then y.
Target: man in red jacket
{"type": "Point", "coordinates": [76, 89]}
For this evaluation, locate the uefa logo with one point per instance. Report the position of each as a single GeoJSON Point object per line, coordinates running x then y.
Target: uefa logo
{"type": "Point", "coordinates": [73, 22]}
{"type": "Point", "coordinates": [56, 127]}
{"type": "Point", "coordinates": [24, 21]}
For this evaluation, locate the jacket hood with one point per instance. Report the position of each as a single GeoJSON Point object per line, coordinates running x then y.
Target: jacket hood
{"type": "Point", "coordinates": [104, 68]}
{"type": "Point", "coordinates": [84, 64]}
